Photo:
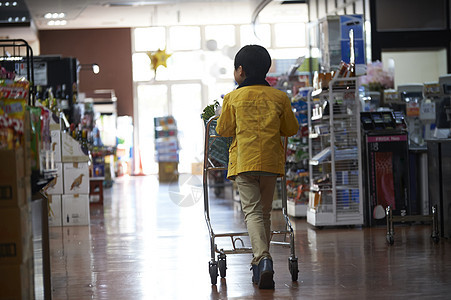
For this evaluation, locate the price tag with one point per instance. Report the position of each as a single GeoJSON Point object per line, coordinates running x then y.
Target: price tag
{"type": "Point", "coordinates": [427, 111]}
{"type": "Point", "coordinates": [412, 109]}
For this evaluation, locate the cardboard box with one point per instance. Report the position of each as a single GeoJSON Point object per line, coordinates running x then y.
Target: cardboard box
{"type": "Point", "coordinates": [12, 164]}
{"type": "Point", "coordinates": [17, 281]}
{"type": "Point", "coordinates": [167, 171]}
{"type": "Point", "coordinates": [55, 187]}
{"type": "Point", "coordinates": [76, 178]}
{"type": "Point", "coordinates": [197, 168]}
{"type": "Point", "coordinates": [75, 210]}
{"type": "Point", "coordinates": [16, 235]}
{"type": "Point", "coordinates": [71, 150]}
{"type": "Point", "coordinates": [55, 145]}
{"type": "Point", "coordinates": [55, 210]}
{"type": "Point", "coordinates": [14, 193]}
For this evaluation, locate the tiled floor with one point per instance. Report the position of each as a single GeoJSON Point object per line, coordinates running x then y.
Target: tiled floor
{"type": "Point", "coordinates": [150, 241]}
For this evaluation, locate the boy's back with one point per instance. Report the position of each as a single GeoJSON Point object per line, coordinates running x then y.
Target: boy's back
{"type": "Point", "coordinates": [257, 115]}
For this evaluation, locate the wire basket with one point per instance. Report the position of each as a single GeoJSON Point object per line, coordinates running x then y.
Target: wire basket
{"type": "Point", "coordinates": [218, 146]}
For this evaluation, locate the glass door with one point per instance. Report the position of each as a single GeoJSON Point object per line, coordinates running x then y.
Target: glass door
{"type": "Point", "coordinates": [186, 107]}
{"type": "Point", "coordinates": [152, 102]}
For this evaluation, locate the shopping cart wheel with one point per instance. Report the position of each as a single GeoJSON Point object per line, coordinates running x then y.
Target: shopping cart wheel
{"type": "Point", "coordinates": [222, 263]}
{"type": "Point", "coordinates": [435, 239]}
{"type": "Point", "coordinates": [213, 269]}
{"type": "Point", "coordinates": [293, 267]}
{"type": "Point", "coordinates": [390, 239]}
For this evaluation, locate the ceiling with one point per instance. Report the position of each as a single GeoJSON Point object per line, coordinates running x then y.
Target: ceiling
{"type": "Point", "coordinates": [141, 13]}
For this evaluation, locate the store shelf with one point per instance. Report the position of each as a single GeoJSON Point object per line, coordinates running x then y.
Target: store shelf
{"type": "Point", "coordinates": [335, 156]}
{"type": "Point", "coordinates": [297, 158]}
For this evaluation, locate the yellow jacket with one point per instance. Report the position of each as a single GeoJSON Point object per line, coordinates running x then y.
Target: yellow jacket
{"type": "Point", "coordinates": [256, 116]}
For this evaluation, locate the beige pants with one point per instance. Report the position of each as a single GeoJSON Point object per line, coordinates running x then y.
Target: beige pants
{"type": "Point", "coordinates": [256, 194]}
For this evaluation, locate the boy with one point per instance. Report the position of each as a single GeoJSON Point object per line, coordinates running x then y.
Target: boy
{"type": "Point", "coordinates": [256, 115]}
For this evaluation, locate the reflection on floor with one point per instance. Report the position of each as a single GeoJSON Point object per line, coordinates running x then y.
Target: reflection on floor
{"type": "Point", "coordinates": [150, 241]}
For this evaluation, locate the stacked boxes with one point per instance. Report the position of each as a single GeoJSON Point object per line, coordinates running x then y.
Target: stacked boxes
{"type": "Point", "coordinates": [69, 191]}
{"type": "Point", "coordinates": [166, 148]}
{"type": "Point", "coordinates": [16, 244]}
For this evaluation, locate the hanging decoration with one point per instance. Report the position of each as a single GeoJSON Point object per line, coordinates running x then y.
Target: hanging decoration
{"type": "Point", "coordinates": [158, 58]}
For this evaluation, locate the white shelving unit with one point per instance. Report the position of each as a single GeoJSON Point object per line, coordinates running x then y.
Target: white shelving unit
{"type": "Point", "coordinates": [335, 164]}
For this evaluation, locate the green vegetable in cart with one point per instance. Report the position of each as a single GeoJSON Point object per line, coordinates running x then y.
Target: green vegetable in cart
{"type": "Point", "coordinates": [209, 111]}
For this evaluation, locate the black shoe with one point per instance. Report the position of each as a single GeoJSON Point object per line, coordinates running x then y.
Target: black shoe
{"type": "Point", "coordinates": [266, 272]}
{"type": "Point", "coordinates": [255, 273]}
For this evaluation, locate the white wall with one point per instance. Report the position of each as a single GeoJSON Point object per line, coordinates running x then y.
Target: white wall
{"type": "Point", "coordinates": [416, 66]}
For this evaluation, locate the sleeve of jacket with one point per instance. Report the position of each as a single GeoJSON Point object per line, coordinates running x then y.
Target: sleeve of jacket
{"type": "Point", "coordinates": [226, 122]}
{"type": "Point", "coordinates": [288, 123]}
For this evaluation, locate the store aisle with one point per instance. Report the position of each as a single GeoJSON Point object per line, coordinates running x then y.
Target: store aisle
{"type": "Point", "coordinates": [150, 241]}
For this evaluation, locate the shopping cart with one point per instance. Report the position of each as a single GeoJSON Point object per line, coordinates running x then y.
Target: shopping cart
{"type": "Point", "coordinates": [216, 149]}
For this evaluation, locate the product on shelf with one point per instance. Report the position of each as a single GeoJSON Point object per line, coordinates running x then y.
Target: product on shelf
{"type": "Point", "coordinates": [166, 148]}
{"type": "Point", "coordinates": [13, 101]}
{"type": "Point", "coordinates": [297, 174]}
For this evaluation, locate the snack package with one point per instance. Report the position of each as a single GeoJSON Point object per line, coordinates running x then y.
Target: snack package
{"type": "Point", "coordinates": [14, 89]}
{"type": "Point", "coordinates": [13, 100]}
{"type": "Point", "coordinates": [12, 114]}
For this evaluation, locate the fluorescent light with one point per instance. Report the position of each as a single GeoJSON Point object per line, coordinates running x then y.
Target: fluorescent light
{"type": "Point", "coordinates": [57, 22]}
{"type": "Point", "coordinates": [54, 15]}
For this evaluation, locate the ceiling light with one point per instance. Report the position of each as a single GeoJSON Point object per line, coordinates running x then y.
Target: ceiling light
{"type": "Point", "coordinates": [10, 19]}
{"type": "Point", "coordinates": [51, 23]}
{"type": "Point", "coordinates": [54, 15]}
{"type": "Point", "coordinates": [14, 3]}
{"type": "Point", "coordinates": [6, 3]}
{"type": "Point", "coordinates": [24, 19]}
{"type": "Point", "coordinates": [63, 22]}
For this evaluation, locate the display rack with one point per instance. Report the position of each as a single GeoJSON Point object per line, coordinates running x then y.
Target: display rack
{"type": "Point", "coordinates": [35, 277]}
{"type": "Point", "coordinates": [297, 166]}
{"type": "Point", "coordinates": [166, 148]}
{"type": "Point", "coordinates": [335, 164]}
{"type": "Point", "coordinates": [15, 50]}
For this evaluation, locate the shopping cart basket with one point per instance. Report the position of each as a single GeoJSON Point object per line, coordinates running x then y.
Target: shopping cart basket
{"type": "Point", "coordinates": [216, 159]}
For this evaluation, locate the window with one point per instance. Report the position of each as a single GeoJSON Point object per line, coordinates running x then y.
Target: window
{"type": "Point", "coordinates": [186, 100]}
{"type": "Point", "coordinates": [263, 32]}
{"type": "Point", "coordinates": [152, 102]}
{"type": "Point", "coordinates": [289, 35]}
{"type": "Point", "coordinates": [142, 70]}
{"type": "Point", "coordinates": [224, 35]}
{"type": "Point", "coordinates": [184, 38]}
{"type": "Point", "coordinates": [150, 39]}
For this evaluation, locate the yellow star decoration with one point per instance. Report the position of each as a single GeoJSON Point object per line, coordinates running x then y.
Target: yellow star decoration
{"type": "Point", "coordinates": [158, 58]}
